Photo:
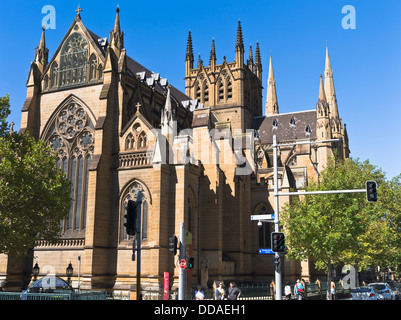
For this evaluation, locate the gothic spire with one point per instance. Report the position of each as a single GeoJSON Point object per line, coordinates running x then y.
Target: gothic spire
{"type": "Point", "coordinates": [322, 95]}
{"type": "Point", "coordinates": [212, 58]}
{"type": "Point", "coordinates": [329, 87]}
{"type": "Point", "coordinates": [250, 60]}
{"type": "Point", "coordinates": [168, 123]}
{"type": "Point", "coordinates": [328, 77]}
{"type": "Point", "coordinates": [189, 55]}
{"type": "Point", "coordinates": [239, 47]}
{"type": "Point", "coordinates": [240, 42]}
{"type": "Point", "coordinates": [116, 36]}
{"type": "Point", "coordinates": [200, 61]}
{"type": "Point", "coordinates": [258, 60]}
{"type": "Point", "coordinates": [117, 21]}
{"type": "Point", "coordinates": [41, 52]}
{"type": "Point", "coordinates": [271, 98]}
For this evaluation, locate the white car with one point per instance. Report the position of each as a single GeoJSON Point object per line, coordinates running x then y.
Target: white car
{"type": "Point", "coordinates": [384, 290]}
{"type": "Point", "coordinates": [365, 293]}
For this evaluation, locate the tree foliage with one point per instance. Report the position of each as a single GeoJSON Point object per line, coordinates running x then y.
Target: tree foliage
{"type": "Point", "coordinates": [4, 113]}
{"type": "Point", "coordinates": [345, 228]}
{"type": "Point", "coordinates": [34, 193]}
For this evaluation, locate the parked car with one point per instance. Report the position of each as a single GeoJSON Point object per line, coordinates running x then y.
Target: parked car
{"type": "Point", "coordinates": [48, 284]}
{"type": "Point", "coordinates": [384, 289]}
{"type": "Point", "coordinates": [365, 293]}
{"type": "Point", "coordinates": [396, 287]}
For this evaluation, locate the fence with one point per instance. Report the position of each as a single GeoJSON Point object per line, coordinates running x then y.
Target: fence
{"type": "Point", "coordinates": [250, 291]}
{"type": "Point", "coordinates": [56, 295]}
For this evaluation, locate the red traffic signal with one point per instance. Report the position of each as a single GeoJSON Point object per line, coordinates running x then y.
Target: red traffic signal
{"type": "Point", "coordinates": [278, 241]}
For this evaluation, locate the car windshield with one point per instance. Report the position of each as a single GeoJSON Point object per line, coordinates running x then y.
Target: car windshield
{"type": "Point", "coordinates": [380, 286]}
{"type": "Point", "coordinates": [360, 290]}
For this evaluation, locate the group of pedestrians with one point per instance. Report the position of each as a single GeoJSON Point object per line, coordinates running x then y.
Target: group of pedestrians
{"type": "Point", "coordinates": [298, 290]}
{"type": "Point", "coordinates": [233, 292]}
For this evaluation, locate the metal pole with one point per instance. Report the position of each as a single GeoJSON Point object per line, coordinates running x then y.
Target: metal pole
{"type": "Point", "coordinates": [79, 270]}
{"type": "Point", "coordinates": [182, 275]}
{"type": "Point", "coordinates": [276, 218]}
{"type": "Point", "coordinates": [302, 193]}
{"type": "Point", "coordinates": [138, 243]}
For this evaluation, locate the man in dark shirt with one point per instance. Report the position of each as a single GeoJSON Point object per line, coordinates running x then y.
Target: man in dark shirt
{"type": "Point", "coordinates": [233, 292]}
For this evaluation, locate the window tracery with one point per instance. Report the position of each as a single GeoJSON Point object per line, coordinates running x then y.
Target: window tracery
{"type": "Point", "coordinates": [137, 139]}
{"type": "Point", "coordinates": [72, 137]}
{"type": "Point", "coordinates": [73, 60]}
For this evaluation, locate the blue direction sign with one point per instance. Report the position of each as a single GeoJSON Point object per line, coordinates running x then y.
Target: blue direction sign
{"type": "Point", "coordinates": [266, 251]}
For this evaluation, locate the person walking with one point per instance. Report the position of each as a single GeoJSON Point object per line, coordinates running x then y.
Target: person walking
{"type": "Point", "coordinates": [299, 290]}
{"type": "Point", "coordinates": [220, 293]}
{"type": "Point", "coordinates": [233, 292]}
{"type": "Point", "coordinates": [333, 290]}
{"type": "Point", "coordinates": [287, 291]}
{"type": "Point", "coordinates": [199, 294]}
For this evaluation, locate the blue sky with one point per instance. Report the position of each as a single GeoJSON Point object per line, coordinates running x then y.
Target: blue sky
{"type": "Point", "coordinates": [366, 61]}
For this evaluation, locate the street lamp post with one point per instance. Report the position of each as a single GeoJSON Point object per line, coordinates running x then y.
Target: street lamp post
{"type": "Point", "coordinates": [35, 271]}
{"type": "Point", "coordinates": [69, 271]}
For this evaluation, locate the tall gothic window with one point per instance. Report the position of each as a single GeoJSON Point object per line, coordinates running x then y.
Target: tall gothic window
{"type": "Point", "coordinates": [221, 89]}
{"type": "Point", "coordinates": [53, 74]}
{"type": "Point", "coordinates": [92, 68]}
{"type": "Point", "coordinates": [229, 89]}
{"type": "Point", "coordinates": [205, 91]}
{"type": "Point", "coordinates": [72, 137]}
{"type": "Point", "coordinates": [198, 92]}
{"type": "Point", "coordinates": [73, 61]}
{"type": "Point", "coordinates": [131, 194]}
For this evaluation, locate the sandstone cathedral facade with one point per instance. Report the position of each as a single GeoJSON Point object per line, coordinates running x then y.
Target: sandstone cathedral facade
{"type": "Point", "coordinates": [202, 157]}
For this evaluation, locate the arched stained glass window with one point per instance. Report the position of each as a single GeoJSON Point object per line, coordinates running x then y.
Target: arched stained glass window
{"type": "Point", "coordinates": [73, 61]}
{"type": "Point", "coordinates": [71, 135]}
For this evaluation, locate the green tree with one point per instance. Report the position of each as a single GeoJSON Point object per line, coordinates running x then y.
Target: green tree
{"type": "Point", "coordinates": [34, 193]}
{"type": "Point", "coordinates": [334, 228]}
{"type": "Point", "coordinates": [4, 113]}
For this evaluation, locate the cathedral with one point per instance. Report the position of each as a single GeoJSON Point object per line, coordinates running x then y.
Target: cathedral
{"type": "Point", "coordinates": [202, 157]}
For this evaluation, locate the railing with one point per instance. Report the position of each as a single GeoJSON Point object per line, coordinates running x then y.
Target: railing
{"type": "Point", "coordinates": [60, 295]}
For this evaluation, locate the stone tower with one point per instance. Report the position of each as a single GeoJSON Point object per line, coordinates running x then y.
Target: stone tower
{"type": "Point", "coordinates": [232, 90]}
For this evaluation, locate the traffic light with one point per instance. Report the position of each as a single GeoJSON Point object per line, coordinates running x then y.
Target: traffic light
{"type": "Point", "coordinates": [130, 218]}
{"type": "Point", "coordinates": [172, 244]}
{"type": "Point", "coordinates": [190, 263]}
{"type": "Point", "coordinates": [371, 191]}
{"type": "Point", "coordinates": [278, 242]}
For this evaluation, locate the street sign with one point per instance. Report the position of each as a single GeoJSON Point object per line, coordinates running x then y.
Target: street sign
{"type": "Point", "coordinates": [263, 217]}
{"type": "Point", "coordinates": [266, 251]}
{"type": "Point", "coordinates": [183, 264]}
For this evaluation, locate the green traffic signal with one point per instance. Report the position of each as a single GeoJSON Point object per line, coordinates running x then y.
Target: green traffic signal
{"type": "Point", "coordinates": [371, 191]}
{"type": "Point", "coordinates": [190, 263]}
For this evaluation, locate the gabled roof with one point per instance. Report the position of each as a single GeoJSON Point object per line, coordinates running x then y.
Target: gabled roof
{"type": "Point", "coordinates": [285, 130]}
{"type": "Point", "coordinates": [133, 66]}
